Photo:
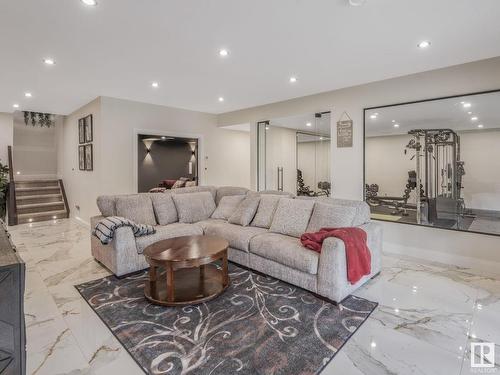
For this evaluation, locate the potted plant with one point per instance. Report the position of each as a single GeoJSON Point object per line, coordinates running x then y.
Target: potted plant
{"type": "Point", "coordinates": [4, 183]}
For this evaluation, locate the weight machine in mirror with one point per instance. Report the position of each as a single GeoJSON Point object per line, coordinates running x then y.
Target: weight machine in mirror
{"type": "Point", "coordinates": [436, 162]}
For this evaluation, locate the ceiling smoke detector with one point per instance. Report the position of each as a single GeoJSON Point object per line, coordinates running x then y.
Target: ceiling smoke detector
{"type": "Point", "coordinates": [356, 3]}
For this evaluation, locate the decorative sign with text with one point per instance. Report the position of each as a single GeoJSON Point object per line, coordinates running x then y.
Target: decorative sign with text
{"type": "Point", "coordinates": [344, 133]}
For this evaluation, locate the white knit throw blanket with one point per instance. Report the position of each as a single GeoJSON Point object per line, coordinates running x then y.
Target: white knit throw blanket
{"type": "Point", "coordinates": [105, 229]}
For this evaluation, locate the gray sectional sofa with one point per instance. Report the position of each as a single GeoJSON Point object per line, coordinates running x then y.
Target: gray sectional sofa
{"type": "Point", "coordinates": [262, 228]}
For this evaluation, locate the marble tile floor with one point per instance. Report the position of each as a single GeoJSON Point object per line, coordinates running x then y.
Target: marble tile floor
{"type": "Point", "coordinates": [428, 316]}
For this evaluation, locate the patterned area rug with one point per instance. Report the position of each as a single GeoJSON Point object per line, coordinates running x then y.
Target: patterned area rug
{"type": "Point", "coordinates": [259, 325]}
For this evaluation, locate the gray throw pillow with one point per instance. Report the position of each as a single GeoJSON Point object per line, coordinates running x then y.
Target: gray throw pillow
{"type": "Point", "coordinates": [331, 216]}
{"type": "Point", "coordinates": [194, 207]}
{"type": "Point", "coordinates": [292, 216]}
{"type": "Point", "coordinates": [227, 206]}
{"type": "Point", "coordinates": [107, 205]}
{"type": "Point", "coordinates": [246, 211]}
{"type": "Point", "coordinates": [267, 207]}
{"type": "Point", "coordinates": [137, 207]}
{"type": "Point", "coordinates": [164, 208]}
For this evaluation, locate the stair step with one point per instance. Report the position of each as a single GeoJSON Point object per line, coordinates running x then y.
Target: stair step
{"type": "Point", "coordinates": [40, 207]}
{"type": "Point", "coordinates": [37, 190]}
{"type": "Point", "coordinates": [41, 216]}
{"type": "Point", "coordinates": [37, 183]}
{"type": "Point", "coordinates": [44, 198]}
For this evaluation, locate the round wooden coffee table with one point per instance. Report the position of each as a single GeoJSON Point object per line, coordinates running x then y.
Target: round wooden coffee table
{"type": "Point", "coordinates": [190, 275]}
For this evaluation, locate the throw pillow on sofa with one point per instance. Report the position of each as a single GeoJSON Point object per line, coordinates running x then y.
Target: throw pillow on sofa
{"type": "Point", "coordinates": [107, 205]}
{"type": "Point", "coordinates": [138, 208]}
{"type": "Point", "coordinates": [330, 216]}
{"type": "Point", "coordinates": [267, 207]}
{"type": "Point", "coordinates": [194, 207]}
{"type": "Point", "coordinates": [227, 206]}
{"type": "Point", "coordinates": [246, 211]}
{"type": "Point", "coordinates": [292, 216]}
{"type": "Point", "coordinates": [164, 208]}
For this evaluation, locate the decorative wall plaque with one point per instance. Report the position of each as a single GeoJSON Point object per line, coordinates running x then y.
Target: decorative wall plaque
{"type": "Point", "coordinates": [344, 131]}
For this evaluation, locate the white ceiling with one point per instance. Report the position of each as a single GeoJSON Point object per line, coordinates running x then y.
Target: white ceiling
{"type": "Point", "coordinates": [446, 113]}
{"type": "Point", "coordinates": [119, 47]}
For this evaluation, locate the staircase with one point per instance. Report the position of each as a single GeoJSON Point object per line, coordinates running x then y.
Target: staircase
{"type": "Point", "coordinates": [40, 200]}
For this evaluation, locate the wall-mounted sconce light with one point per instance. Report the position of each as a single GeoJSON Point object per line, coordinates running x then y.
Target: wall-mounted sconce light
{"type": "Point", "coordinates": [192, 153]}
{"type": "Point", "coordinates": [148, 150]}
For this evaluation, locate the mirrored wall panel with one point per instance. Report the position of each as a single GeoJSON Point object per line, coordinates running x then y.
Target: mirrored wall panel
{"type": "Point", "coordinates": [294, 154]}
{"type": "Point", "coordinates": [436, 163]}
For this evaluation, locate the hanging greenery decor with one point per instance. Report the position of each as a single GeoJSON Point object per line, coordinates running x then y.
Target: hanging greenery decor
{"type": "Point", "coordinates": [42, 119]}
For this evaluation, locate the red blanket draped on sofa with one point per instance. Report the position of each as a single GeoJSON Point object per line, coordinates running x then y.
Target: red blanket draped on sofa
{"type": "Point", "coordinates": [357, 252]}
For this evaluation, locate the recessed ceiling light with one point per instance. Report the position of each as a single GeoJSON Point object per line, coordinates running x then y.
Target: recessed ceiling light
{"type": "Point", "coordinates": [49, 61]}
{"type": "Point", "coordinates": [155, 85]}
{"type": "Point", "coordinates": [308, 124]}
{"type": "Point", "coordinates": [469, 113]}
{"type": "Point", "coordinates": [91, 3]}
{"type": "Point", "coordinates": [221, 99]}
{"type": "Point", "coordinates": [466, 105]}
{"type": "Point", "coordinates": [293, 79]}
{"type": "Point", "coordinates": [223, 52]}
{"type": "Point", "coordinates": [396, 125]}
{"type": "Point", "coordinates": [480, 126]}
{"type": "Point", "coordinates": [374, 116]}
{"type": "Point", "coordinates": [15, 105]}
{"type": "Point", "coordinates": [267, 127]}
{"type": "Point", "coordinates": [424, 44]}
{"type": "Point", "coordinates": [473, 118]}
{"type": "Point", "coordinates": [28, 94]}
{"type": "Point", "coordinates": [393, 121]}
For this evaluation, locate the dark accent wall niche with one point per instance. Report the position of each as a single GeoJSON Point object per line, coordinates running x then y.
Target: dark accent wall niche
{"type": "Point", "coordinates": [167, 160]}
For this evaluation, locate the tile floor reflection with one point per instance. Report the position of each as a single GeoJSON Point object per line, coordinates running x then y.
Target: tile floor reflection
{"type": "Point", "coordinates": [428, 316]}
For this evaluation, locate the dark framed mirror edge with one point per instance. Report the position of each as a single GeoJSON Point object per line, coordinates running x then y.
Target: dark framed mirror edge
{"type": "Point", "coordinates": [416, 102]}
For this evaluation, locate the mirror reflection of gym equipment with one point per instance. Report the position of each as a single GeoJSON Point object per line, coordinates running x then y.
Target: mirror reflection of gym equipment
{"type": "Point", "coordinates": [294, 154]}
{"type": "Point", "coordinates": [435, 163]}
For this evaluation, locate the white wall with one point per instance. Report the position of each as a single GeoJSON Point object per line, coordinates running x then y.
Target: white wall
{"type": "Point", "coordinates": [347, 163]}
{"type": "Point", "coordinates": [82, 187]}
{"type": "Point", "coordinates": [224, 154]}
{"type": "Point", "coordinates": [35, 150]}
{"type": "Point", "coordinates": [6, 135]}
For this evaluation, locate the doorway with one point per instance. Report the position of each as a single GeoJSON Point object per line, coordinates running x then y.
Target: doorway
{"type": "Point", "coordinates": [164, 160]}
{"type": "Point", "coordinates": [294, 154]}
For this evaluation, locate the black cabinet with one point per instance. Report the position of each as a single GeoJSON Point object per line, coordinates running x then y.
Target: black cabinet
{"type": "Point", "coordinates": [12, 329]}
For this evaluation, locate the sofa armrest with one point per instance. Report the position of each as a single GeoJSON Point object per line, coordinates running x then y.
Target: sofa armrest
{"type": "Point", "coordinates": [120, 255]}
{"type": "Point", "coordinates": [332, 269]}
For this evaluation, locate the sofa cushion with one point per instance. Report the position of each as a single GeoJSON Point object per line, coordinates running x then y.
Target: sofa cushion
{"type": "Point", "coordinates": [194, 207]}
{"type": "Point", "coordinates": [292, 216]}
{"type": "Point", "coordinates": [267, 207]}
{"type": "Point", "coordinates": [246, 211]}
{"type": "Point", "coordinates": [227, 206]}
{"type": "Point", "coordinates": [164, 232]}
{"type": "Point", "coordinates": [164, 208]}
{"type": "Point", "coordinates": [204, 224]}
{"type": "Point", "coordinates": [238, 237]}
{"type": "Point", "coordinates": [137, 207]}
{"type": "Point", "coordinates": [224, 191]}
{"type": "Point", "coordinates": [107, 205]}
{"type": "Point", "coordinates": [362, 208]}
{"type": "Point", "coordinates": [285, 250]}
{"type": "Point", "coordinates": [196, 189]}
{"type": "Point", "coordinates": [331, 216]}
